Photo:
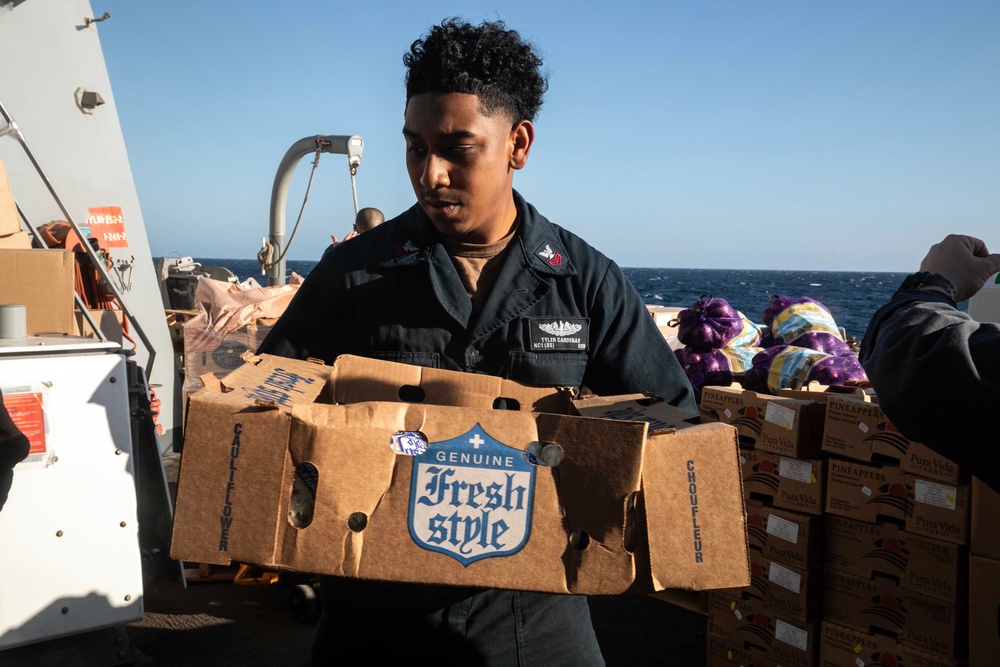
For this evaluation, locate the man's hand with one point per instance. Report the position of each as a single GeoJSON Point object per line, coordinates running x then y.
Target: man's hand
{"type": "Point", "coordinates": [963, 260]}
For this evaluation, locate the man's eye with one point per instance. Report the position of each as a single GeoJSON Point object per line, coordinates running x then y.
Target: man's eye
{"type": "Point", "coordinates": [416, 150]}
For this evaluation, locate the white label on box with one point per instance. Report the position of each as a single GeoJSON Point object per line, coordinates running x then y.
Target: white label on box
{"type": "Point", "coordinates": [859, 662]}
{"type": "Point", "coordinates": [865, 490]}
{"type": "Point", "coordinates": [783, 528]}
{"type": "Point", "coordinates": [743, 460]}
{"type": "Point", "coordinates": [737, 614]}
{"type": "Point", "coordinates": [790, 634]}
{"type": "Point", "coordinates": [729, 415]}
{"type": "Point", "coordinates": [863, 427]}
{"type": "Point", "coordinates": [785, 578]}
{"type": "Point", "coordinates": [800, 471]}
{"type": "Point", "coordinates": [938, 495]}
{"type": "Point", "coordinates": [780, 415]}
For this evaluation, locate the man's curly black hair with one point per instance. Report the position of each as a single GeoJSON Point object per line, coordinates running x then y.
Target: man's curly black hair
{"type": "Point", "coordinates": [487, 60]}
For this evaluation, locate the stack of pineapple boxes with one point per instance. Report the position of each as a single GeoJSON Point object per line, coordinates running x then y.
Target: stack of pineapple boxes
{"type": "Point", "coordinates": [858, 538]}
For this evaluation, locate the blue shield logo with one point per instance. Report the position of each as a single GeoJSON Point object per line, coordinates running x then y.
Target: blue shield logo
{"type": "Point", "coordinates": [471, 498]}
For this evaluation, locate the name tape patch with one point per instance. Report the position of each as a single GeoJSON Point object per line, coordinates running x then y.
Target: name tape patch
{"type": "Point", "coordinates": [558, 334]}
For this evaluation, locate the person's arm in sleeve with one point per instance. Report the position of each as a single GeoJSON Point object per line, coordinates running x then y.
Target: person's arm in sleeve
{"type": "Point", "coordinates": [630, 354]}
{"type": "Point", "coordinates": [309, 326]}
{"type": "Point", "coordinates": [935, 370]}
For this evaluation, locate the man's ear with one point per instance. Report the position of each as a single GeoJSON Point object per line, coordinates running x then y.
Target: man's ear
{"type": "Point", "coordinates": [522, 135]}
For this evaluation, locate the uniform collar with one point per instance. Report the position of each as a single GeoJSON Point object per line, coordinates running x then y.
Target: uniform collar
{"type": "Point", "coordinates": [542, 245]}
{"type": "Point", "coordinates": [414, 239]}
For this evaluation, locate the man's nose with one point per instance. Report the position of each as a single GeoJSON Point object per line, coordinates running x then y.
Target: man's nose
{"type": "Point", "coordinates": [435, 173]}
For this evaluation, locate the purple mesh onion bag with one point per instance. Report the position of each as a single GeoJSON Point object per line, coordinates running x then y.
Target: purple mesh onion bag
{"type": "Point", "coordinates": [788, 318]}
{"type": "Point", "coordinates": [711, 323]}
{"type": "Point", "coordinates": [715, 367]}
{"type": "Point", "coordinates": [823, 342]}
{"type": "Point", "coordinates": [791, 366]}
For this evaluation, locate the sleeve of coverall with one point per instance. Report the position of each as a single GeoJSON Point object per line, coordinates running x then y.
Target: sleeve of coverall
{"type": "Point", "coordinates": [936, 372]}
{"type": "Point", "coordinates": [308, 327]}
{"type": "Point", "coordinates": [629, 353]}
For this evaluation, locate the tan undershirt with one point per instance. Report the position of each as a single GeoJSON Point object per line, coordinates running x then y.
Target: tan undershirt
{"type": "Point", "coordinates": [478, 265]}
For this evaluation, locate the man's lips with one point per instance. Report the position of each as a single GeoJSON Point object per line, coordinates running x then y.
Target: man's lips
{"type": "Point", "coordinates": [443, 205]}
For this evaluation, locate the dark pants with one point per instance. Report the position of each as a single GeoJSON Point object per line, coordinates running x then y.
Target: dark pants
{"type": "Point", "coordinates": [366, 622]}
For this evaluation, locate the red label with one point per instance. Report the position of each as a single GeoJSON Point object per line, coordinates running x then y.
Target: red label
{"type": "Point", "coordinates": [107, 226]}
{"type": "Point", "coordinates": [29, 417]}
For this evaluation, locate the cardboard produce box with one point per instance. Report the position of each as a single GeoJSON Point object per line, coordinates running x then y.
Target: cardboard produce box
{"type": "Point", "coordinates": [984, 306]}
{"type": "Point", "coordinates": [916, 563]}
{"type": "Point", "coordinates": [858, 429]}
{"type": "Point", "coordinates": [790, 538]}
{"type": "Point", "coordinates": [785, 426]}
{"type": "Point", "coordinates": [15, 241]}
{"type": "Point", "coordinates": [787, 591]}
{"type": "Point", "coordinates": [42, 281]}
{"type": "Point", "coordinates": [845, 647]}
{"type": "Point", "coordinates": [469, 496]}
{"type": "Point", "coordinates": [720, 652]}
{"type": "Point", "coordinates": [785, 482]}
{"type": "Point", "coordinates": [746, 625]}
{"type": "Point", "coordinates": [919, 621]}
{"type": "Point", "coordinates": [984, 612]}
{"type": "Point", "coordinates": [874, 494]}
{"type": "Point", "coordinates": [10, 223]}
{"type": "Point", "coordinates": [985, 538]}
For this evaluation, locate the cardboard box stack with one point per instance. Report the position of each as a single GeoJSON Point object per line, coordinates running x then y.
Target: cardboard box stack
{"type": "Point", "coordinates": [984, 562]}
{"type": "Point", "coordinates": [40, 280]}
{"type": "Point", "coordinates": [471, 480]}
{"type": "Point", "coordinates": [858, 537]}
{"type": "Point", "coordinates": [776, 619]}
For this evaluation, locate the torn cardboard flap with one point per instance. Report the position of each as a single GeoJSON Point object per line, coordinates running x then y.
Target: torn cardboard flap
{"type": "Point", "coordinates": [357, 379]}
{"type": "Point", "coordinates": [702, 541]}
{"type": "Point", "coordinates": [659, 414]}
{"type": "Point", "coordinates": [284, 381]}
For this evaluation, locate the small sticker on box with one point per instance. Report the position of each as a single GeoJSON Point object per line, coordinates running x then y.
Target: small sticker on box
{"type": "Point", "coordinates": [743, 460]}
{"type": "Point", "coordinates": [865, 490]}
{"type": "Point", "coordinates": [939, 495]}
{"type": "Point", "coordinates": [785, 578]}
{"type": "Point", "coordinates": [738, 615]}
{"type": "Point", "coordinates": [863, 427]}
{"type": "Point", "coordinates": [780, 415]}
{"type": "Point", "coordinates": [788, 633]}
{"type": "Point", "coordinates": [800, 471]}
{"type": "Point", "coordinates": [729, 415]}
{"type": "Point", "coordinates": [783, 528]}
{"type": "Point", "coordinates": [859, 662]}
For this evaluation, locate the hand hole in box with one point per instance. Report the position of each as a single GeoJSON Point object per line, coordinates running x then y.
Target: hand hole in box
{"type": "Point", "coordinates": [357, 521]}
{"type": "Point", "coordinates": [579, 540]}
{"type": "Point", "coordinates": [410, 393]}
{"type": "Point", "coordinates": [303, 499]}
{"type": "Point", "coordinates": [501, 403]}
{"type": "Point", "coordinates": [630, 537]}
{"type": "Point", "coordinates": [408, 443]}
{"type": "Point", "coordinates": [543, 454]}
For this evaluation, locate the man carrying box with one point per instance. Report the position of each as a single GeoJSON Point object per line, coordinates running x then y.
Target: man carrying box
{"type": "Point", "coordinates": [935, 369]}
{"type": "Point", "coordinates": [472, 278]}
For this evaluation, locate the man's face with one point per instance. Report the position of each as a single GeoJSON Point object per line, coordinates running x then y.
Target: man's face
{"type": "Point", "coordinates": [461, 164]}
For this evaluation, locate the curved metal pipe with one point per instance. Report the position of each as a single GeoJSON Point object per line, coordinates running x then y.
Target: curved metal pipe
{"type": "Point", "coordinates": [351, 146]}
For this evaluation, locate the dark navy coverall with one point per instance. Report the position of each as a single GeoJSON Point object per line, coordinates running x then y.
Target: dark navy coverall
{"type": "Point", "coordinates": [393, 293]}
{"type": "Point", "coordinates": [937, 375]}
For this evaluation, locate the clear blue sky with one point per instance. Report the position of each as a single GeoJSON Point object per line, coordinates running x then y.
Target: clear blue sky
{"type": "Point", "coordinates": [792, 135]}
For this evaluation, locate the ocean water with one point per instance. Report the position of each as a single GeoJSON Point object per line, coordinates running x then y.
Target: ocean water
{"type": "Point", "coordinates": [852, 297]}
